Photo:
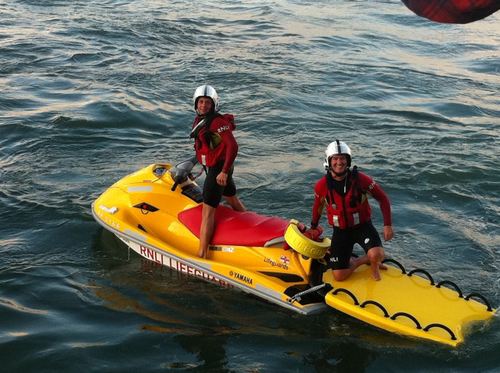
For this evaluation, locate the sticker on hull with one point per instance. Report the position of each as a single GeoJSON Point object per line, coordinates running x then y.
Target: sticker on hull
{"type": "Point", "coordinates": [179, 266]}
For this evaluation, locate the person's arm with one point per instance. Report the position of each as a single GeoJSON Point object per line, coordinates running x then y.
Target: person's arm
{"type": "Point", "coordinates": [231, 150]}
{"type": "Point", "coordinates": [223, 127]}
{"type": "Point", "coordinates": [376, 191]}
{"type": "Point", "coordinates": [318, 205]}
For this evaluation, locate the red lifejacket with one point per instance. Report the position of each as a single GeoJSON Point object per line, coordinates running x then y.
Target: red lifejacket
{"type": "Point", "coordinates": [349, 210]}
{"type": "Point", "coordinates": [214, 141]}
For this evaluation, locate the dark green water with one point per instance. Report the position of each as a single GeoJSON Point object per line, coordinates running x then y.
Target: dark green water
{"type": "Point", "coordinates": [91, 91]}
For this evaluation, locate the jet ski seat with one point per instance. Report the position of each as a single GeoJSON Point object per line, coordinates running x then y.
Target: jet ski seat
{"type": "Point", "coordinates": [237, 228]}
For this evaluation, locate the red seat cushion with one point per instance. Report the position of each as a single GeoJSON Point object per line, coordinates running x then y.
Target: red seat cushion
{"type": "Point", "coordinates": [236, 228]}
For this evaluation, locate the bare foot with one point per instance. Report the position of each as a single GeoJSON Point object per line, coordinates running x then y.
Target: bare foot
{"type": "Point", "coordinates": [356, 262]}
{"type": "Point", "coordinates": [202, 254]}
{"type": "Point", "coordinates": [375, 271]}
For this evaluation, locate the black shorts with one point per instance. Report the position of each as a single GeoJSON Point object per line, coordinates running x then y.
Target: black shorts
{"type": "Point", "coordinates": [343, 241]}
{"type": "Point", "coordinates": [213, 192]}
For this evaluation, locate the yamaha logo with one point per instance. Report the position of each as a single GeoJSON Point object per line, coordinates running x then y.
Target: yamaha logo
{"type": "Point", "coordinates": [241, 277]}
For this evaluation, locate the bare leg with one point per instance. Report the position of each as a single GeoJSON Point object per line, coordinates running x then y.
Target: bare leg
{"type": "Point", "coordinates": [366, 260]}
{"type": "Point", "coordinates": [235, 203]}
{"type": "Point", "coordinates": [206, 229]}
{"type": "Point", "coordinates": [376, 255]}
{"type": "Point", "coordinates": [343, 274]}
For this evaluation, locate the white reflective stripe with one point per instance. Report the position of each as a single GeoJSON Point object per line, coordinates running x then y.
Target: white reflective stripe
{"type": "Point", "coordinates": [141, 189]}
{"type": "Point", "coordinates": [134, 234]}
{"type": "Point", "coordinates": [336, 221]}
{"type": "Point", "coordinates": [109, 210]}
{"type": "Point", "coordinates": [355, 216]}
{"type": "Point", "coordinates": [203, 160]}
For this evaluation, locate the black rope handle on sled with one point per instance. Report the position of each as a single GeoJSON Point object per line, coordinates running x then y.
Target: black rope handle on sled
{"type": "Point", "coordinates": [428, 327]}
{"type": "Point", "coordinates": [411, 317]}
{"type": "Point", "coordinates": [342, 290]}
{"type": "Point", "coordinates": [375, 303]}
{"type": "Point", "coordinates": [418, 270]}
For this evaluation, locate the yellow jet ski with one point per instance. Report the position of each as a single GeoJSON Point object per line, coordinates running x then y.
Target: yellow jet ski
{"type": "Point", "coordinates": [156, 211]}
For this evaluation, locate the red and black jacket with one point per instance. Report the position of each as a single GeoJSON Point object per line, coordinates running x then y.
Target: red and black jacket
{"type": "Point", "coordinates": [351, 208]}
{"type": "Point", "coordinates": [214, 140]}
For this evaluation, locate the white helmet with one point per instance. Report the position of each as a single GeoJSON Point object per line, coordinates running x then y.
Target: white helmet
{"type": "Point", "coordinates": [206, 91]}
{"type": "Point", "coordinates": [337, 147]}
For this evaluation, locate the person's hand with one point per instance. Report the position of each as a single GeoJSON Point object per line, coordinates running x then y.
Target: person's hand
{"type": "Point", "coordinates": [314, 233]}
{"type": "Point", "coordinates": [388, 232]}
{"type": "Point", "coordinates": [222, 178]}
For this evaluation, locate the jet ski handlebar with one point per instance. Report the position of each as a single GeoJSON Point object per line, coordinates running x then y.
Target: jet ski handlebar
{"type": "Point", "coordinates": [182, 171]}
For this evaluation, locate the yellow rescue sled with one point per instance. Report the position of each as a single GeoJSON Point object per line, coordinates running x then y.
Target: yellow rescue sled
{"type": "Point", "coordinates": [409, 303]}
